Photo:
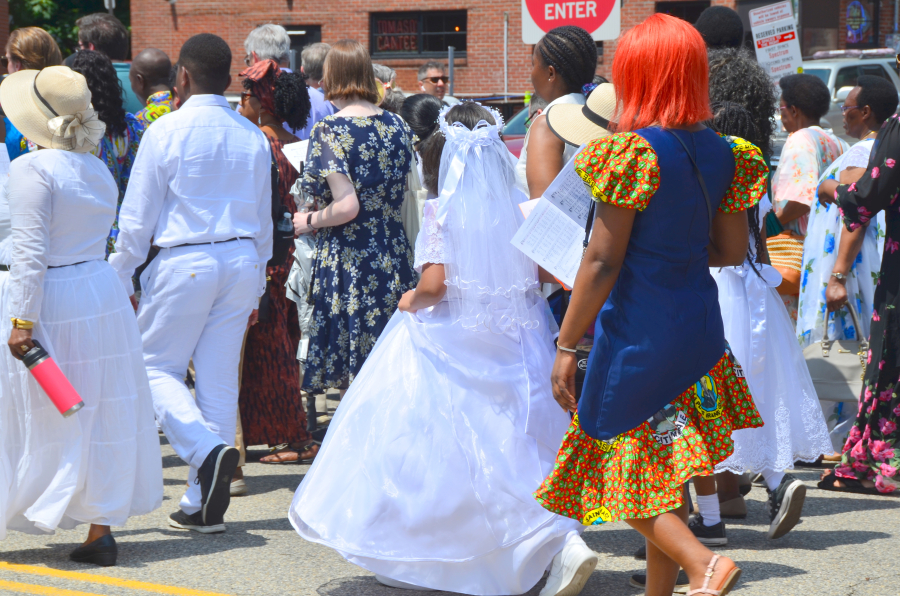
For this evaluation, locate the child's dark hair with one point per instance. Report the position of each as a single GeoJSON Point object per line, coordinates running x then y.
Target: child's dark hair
{"type": "Point", "coordinates": [732, 119]}
{"type": "Point", "coordinates": [467, 113]}
{"type": "Point", "coordinates": [421, 112]}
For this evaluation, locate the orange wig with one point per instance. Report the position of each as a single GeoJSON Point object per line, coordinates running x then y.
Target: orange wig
{"type": "Point", "coordinates": [661, 75]}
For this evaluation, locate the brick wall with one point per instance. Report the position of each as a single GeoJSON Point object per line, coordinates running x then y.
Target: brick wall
{"type": "Point", "coordinates": [156, 23]}
{"type": "Point", "coordinates": [633, 13]}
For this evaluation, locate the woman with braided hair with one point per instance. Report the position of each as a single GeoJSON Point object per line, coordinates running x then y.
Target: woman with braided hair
{"type": "Point", "coordinates": [563, 65]}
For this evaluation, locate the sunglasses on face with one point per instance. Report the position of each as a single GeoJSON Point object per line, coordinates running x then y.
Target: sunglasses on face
{"type": "Point", "coordinates": [4, 60]}
{"type": "Point", "coordinates": [845, 108]}
{"type": "Point", "coordinates": [436, 80]}
{"type": "Point", "coordinates": [246, 95]}
{"type": "Point", "coordinates": [248, 60]}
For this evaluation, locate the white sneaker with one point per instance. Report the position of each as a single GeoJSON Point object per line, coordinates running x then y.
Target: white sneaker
{"type": "Point", "coordinates": [396, 583]}
{"type": "Point", "coordinates": [572, 566]}
{"type": "Point", "coordinates": [238, 488]}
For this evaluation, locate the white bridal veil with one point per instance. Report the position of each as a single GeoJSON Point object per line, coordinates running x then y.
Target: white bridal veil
{"type": "Point", "coordinates": [491, 285]}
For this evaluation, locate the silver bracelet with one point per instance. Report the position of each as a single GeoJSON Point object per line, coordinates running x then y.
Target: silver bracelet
{"type": "Point", "coordinates": [570, 350]}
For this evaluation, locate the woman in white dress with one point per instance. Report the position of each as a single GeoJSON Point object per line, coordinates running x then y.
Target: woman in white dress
{"type": "Point", "coordinates": [838, 263]}
{"type": "Point", "coordinates": [101, 465]}
{"type": "Point", "coordinates": [761, 335]}
{"type": "Point", "coordinates": [427, 472]}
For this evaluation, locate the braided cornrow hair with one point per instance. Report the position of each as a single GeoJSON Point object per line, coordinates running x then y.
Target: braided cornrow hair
{"type": "Point", "coordinates": [733, 119]}
{"type": "Point", "coordinates": [572, 52]}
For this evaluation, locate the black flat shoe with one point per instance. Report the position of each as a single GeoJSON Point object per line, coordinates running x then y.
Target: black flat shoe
{"type": "Point", "coordinates": [102, 551]}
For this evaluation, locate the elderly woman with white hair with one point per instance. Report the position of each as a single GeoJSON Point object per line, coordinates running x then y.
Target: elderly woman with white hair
{"type": "Point", "coordinates": [272, 42]}
{"type": "Point", "coordinates": [101, 465]}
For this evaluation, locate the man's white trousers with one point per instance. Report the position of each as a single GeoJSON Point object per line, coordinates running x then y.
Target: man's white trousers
{"type": "Point", "coordinates": [195, 303]}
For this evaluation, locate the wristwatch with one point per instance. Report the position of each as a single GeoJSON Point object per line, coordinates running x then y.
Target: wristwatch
{"type": "Point", "coordinates": [839, 276]}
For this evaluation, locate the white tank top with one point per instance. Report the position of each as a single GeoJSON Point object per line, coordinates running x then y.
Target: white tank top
{"type": "Point", "coordinates": [568, 153]}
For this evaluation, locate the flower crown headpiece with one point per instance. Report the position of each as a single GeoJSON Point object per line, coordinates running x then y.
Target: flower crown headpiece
{"type": "Point", "coordinates": [483, 133]}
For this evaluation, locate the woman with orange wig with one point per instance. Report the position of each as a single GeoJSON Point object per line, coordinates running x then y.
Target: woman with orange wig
{"type": "Point", "coordinates": [662, 392]}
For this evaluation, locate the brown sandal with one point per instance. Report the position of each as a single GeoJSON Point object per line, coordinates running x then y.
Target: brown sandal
{"type": "Point", "coordinates": [731, 577]}
{"type": "Point", "coordinates": [285, 454]}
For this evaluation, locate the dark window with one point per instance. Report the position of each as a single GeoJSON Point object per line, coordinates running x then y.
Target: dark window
{"type": "Point", "coordinates": [873, 70]}
{"type": "Point", "coordinates": [846, 77]}
{"type": "Point", "coordinates": [862, 23]}
{"type": "Point", "coordinates": [421, 33]}
{"type": "Point", "coordinates": [689, 11]}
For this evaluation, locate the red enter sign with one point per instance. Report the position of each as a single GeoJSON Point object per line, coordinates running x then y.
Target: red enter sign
{"type": "Point", "coordinates": [587, 14]}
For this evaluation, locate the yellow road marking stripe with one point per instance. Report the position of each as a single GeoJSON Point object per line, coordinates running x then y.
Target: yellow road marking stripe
{"type": "Point", "coordinates": [103, 579]}
{"type": "Point", "coordinates": [43, 590]}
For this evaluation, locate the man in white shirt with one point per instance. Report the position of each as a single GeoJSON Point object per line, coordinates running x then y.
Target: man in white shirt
{"type": "Point", "coordinates": [200, 187]}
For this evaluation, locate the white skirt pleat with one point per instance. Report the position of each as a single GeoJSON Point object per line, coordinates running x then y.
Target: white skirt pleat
{"type": "Point", "coordinates": [103, 464]}
{"type": "Point", "coordinates": [427, 472]}
{"type": "Point", "coordinates": [761, 336]}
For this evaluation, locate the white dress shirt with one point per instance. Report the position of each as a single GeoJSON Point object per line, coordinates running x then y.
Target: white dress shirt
{"type": "Point", "coordinates": [62, 206]}
{"type": "Point", "coordinates": [202, 174]}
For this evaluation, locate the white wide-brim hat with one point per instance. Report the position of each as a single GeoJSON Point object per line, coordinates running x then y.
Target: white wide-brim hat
{"type": "Point", "coordinates": [576, 124]}
{"type": "Point", "coordinates": [52, 108]}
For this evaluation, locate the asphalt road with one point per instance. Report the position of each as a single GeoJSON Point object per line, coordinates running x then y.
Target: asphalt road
{"type": "Point", "coordinates": [846, 545]}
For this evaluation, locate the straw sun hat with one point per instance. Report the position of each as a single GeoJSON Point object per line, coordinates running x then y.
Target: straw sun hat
{"type": "Point", "coordinates": [52, 108]}
{"type": "Point", "coordinates": [576, 124]}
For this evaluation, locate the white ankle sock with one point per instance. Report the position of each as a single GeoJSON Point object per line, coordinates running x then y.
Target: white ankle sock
{"type": "Point", "coordinates": [709, 509]}
{"type": "Point", "coordinates": [773, 478]}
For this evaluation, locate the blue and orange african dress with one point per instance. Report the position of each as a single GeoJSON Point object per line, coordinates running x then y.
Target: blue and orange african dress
{"type": "Point", "coordinates": [662, 392]}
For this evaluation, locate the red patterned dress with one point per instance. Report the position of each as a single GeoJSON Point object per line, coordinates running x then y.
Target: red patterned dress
{"type": "Point", "coordinates": [271, 404]}
{"type": "Point", "coordinates": [662, 392]}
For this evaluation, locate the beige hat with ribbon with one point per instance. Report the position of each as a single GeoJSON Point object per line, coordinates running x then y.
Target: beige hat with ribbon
{"type": "Point", "coordinates": [576, 124]}
{"type": "Point", "coordinates": [52, 108]}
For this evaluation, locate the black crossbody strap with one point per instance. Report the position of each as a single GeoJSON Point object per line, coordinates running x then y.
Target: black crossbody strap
{"type": "Point", "coordinates": [709, 208]}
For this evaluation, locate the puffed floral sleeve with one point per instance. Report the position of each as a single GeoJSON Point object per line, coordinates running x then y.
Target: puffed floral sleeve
{"type": "Point", "coordinates": [879, 186]}
{"type": "Point", "coordinates": [328, 153]}
{"type": "Point", "coordinates": [750, 176]}
{"type": "Point", "coordinates": [621, 170]}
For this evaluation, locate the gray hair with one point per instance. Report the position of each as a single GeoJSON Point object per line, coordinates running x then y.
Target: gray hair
{"type": "Point", "coordinates": [383, 73]}
{"type": "Point", "coordinates": [423, 70]}
{"type": "Point", "coordinates": [313, 60]}
{"type": "Point", "coordinates": [269, 42]}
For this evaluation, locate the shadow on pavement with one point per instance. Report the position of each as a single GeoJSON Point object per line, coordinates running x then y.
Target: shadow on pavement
{"type": "Point", "coordinates": [601, 583]}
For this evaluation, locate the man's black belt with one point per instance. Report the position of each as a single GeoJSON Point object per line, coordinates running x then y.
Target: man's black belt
{"type": "Point", "coordinates": [213, 242]}
{"type": "Point", "coordinates": [69, 265]}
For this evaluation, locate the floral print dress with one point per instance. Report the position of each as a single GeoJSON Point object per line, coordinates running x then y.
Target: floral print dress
{"type": "Point", "coordinates": [362, 267]}
{"type": "Point", "coordinates": [804, 158]}
{"type": "Point", "coordinates": [871, 451]}
{"type": "Point", "coordinates": [118, 153]}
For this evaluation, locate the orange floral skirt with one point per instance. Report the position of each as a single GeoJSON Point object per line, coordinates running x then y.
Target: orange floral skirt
{"type": "Point", "coordinates": [640, 473]}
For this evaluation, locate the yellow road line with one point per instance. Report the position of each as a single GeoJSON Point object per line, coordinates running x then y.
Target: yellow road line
{"type": "Point", "coordinates": [43, 590]}
{"type": "Point", "coordinates": [102, 579]}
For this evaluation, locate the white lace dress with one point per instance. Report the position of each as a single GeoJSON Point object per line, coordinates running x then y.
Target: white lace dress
{"type": "Point", "coordinates": [427, 472]}
{"type": "Point", "coordinates": [761, 335]}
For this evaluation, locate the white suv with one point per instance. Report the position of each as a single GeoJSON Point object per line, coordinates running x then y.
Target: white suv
{"type": "Point", "coordinates": [840, 70]}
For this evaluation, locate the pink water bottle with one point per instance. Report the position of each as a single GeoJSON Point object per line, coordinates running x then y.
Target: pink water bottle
{"type": "Point", "coordinates": [52, 380]}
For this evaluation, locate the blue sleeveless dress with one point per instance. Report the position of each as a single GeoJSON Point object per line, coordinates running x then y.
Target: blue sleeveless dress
{"type": "Point", "coordinates": [662, 393]}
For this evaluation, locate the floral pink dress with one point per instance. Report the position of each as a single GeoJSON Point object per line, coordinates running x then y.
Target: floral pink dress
{"type": "Point", "coordinates": [805, 156]}
{"type": "Point", "coordinates": [872, 451]}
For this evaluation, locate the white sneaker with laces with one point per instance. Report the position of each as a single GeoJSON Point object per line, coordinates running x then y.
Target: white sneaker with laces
{"type": "Point", "coordinates": [396, 583]}
{"type": "Point", "coordinates": [571, 568]}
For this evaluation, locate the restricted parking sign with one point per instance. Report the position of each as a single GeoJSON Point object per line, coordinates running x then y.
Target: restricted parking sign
{"type": "Point", "coordinates": [600, 18]}
{"type": "Point", "coordinates": [775, 39]}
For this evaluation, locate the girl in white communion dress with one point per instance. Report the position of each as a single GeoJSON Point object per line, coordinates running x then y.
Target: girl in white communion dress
{"type": "Point", "coordinates": [427, 472]}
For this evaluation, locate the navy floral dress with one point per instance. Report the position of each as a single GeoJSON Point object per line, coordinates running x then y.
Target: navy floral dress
{"type": "Point", "coordinates": [362, 267]}
{"type": "Point", "coordinates": [872, 452]}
